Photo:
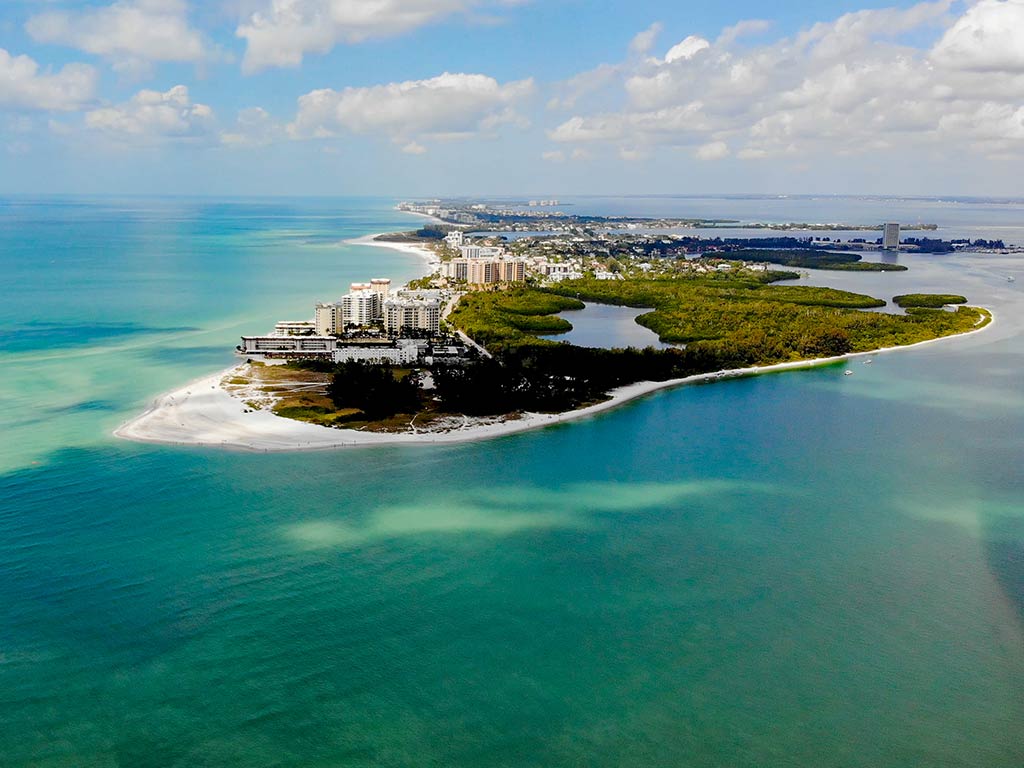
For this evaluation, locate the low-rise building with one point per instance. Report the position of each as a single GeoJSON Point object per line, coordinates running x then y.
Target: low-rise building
{"type": "Point", "coordinates": [400, 353]}
{"type": "Point", "coordinates": [291, 347]}
{"type": "Point", "coordinates": [294, 328]}
{"type": "Point", "coordinates": [480, 252]}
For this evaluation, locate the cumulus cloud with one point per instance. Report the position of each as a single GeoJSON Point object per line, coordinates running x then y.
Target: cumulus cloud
{"type": "Point", "coordinates": [987, 38]}
{"type": "Point", "coordinates": [577, 87]}
{"type": "Point", "coordinates": [254, 127]}
{"type": "Point", "coordinates": [643, 41]}
{"type": "Point", "coordinates": [449, 106]}
{"type": "Point", "coordinates": [283, 31]}
{"type": "Point", "coordinates": [713, 150]}
{"type": "Point", "coordinates": [844, 86]}
{"type": "Point", "coordinates": [152, 116]}
{"type": "Point", "coordinates": [23, 86]}
{"type": "Point", "coordinates": [131, 33]}
{"type": "Point", "coordinates": [687, 49]}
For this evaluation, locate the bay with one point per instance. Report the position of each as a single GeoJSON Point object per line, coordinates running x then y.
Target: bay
{"type": "Point", "coordinates": [802, 568]}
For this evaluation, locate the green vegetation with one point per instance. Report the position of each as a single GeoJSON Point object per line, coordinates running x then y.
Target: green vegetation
{"type": "Point", "coordinates": [509, 318]}
{"type": "Point", "coordinates": [374, 390]}
{"type": "Point", "coordinates": [735, 322]}
{"type": "Point", "coordinates": [761, 324]}
{"type": "Point", "coordinates": [725, 321]}
{"type": "Point", "coordinates": [806, 258]}
{"type": "Point", "coordinates": [552, 378]}
{"type": "Point", "coordinates": [928, 300]}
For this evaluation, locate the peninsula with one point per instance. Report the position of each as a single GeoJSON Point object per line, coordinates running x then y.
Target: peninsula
{"type": "Point", "coordinates": [466, 351]}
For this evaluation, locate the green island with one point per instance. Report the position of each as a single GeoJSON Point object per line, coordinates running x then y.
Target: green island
{"type": "Point", "coordinates": [721, 322]}
{"type": "Point", "coordinates": [804, 258]}
{"type": "Point", "coordinates": [927, 300]}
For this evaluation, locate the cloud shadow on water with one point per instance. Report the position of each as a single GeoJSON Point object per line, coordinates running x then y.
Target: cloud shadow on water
{"type": "Point", "coordinates": [34, 336]}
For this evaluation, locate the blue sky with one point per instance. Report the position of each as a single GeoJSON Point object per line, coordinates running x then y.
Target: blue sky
{"type": "Point", "coordinates": [442, 97]}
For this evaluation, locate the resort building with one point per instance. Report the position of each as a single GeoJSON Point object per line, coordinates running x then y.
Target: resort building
{"type": "Point", "coordinates": [559, 270]}
{"type": "Point", "coordinates": [891, 236]}
{"type": "Point", "coordinates": [294, 328]}
{"type": "Point", "coordinates": [456, 269]}
{"type": "Point", "coordinates": [485, 271]}
{"type": "Point", "coordinates": [360, 306]}
{"type": "Point", "coordinates": [328, 319]}
{"type": "Point", "coordinates": [480, 252]}
{"type": "Point", "coordinates": [455, 238]}
{"type": "Point", "coordinates": [400, 353]}
{"type": "Point", "coordinates": [412, 314]}
{"type": "Point", "coordinates": [293, 347]}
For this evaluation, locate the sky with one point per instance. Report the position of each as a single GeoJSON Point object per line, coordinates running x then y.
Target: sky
{"type": "Point", "coordinates": [508, 97]}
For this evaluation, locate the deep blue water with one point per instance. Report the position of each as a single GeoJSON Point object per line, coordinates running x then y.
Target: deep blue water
{"type": "Point", "coordinates": [796, 569]}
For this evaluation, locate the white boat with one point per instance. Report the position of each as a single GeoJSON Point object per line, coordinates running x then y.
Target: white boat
{"type": "Point", "coordinates": [847, 373]}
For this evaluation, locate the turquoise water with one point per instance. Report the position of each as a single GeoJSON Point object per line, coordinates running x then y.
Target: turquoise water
{"type": "Point", "coordinates": [790, 570]}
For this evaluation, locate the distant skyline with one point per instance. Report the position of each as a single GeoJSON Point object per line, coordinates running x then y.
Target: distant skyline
{"type": "Point", "coordinates": [499, 97]}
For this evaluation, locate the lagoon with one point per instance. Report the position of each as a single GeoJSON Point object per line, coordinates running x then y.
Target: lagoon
{"type": "Point", "coordinates": [607, 326]}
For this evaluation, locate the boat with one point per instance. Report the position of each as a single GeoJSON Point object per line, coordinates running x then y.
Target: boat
{"type": "Point", "coordinates": [847, 373]}
{"type": "Point", "coordinates": [868, 362]}
{"type": "Point", "coordinates": [1010, 279]}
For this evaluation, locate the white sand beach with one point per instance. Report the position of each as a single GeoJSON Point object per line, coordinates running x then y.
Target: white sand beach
{"type": "Point", "coordinates": [414, 249]}
{"type": "Point", "coordinates": [203, 413]}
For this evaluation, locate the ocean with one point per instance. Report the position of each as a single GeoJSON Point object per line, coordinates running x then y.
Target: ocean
{"type": "Point", "coordinates": [796, 569]}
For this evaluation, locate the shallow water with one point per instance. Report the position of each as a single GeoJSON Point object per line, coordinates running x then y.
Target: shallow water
{"type": "Point", "coordinates": [802, 568]}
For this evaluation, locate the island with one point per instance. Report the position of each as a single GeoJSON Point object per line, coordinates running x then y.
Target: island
{"type": "Point", "coordinates": [471, 350]}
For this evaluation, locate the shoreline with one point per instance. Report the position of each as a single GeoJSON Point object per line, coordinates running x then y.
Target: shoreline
{"type": "Point", "coordinates": [203, 414]}
{"type": "Point", "coordinates": [421, 251]}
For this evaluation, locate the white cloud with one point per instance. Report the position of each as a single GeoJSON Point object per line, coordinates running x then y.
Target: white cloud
{"type": "Point", "coordinates": [446, 107]}
{"type": "Point", "coordinates": [989, 37]}
{"type": "Point", "coordinates": [598, 128]}
{"type": "Point", "coordinates": [130, 33]}
{"type": "Point", "coordinates": [553, 156]}
{"type": "Point", "coordinates": [687, 49]}
{"type": "Point", "coordinates": [283, 31]}
{"type": "Point", "coordinates": [644, 41]}
{"type": "Point", "coordinates": [22, 86]}
{"type": "Point", "coordinates": [742, 29]}
{"type": "Point", "coordinates": [414, 148]}
{"type": "Point", "coordinates": [714, 150]}
{"type": "Point", "coordinates": [632, 154]}
{"type": "Point", "coordinates": [152, 116]}
{"type": "Point", "coordinates": [839, 87]}
{"type": "Point", "coordinates": [583, 84]}
{"type": "Point", "coordinates": [254, 127]}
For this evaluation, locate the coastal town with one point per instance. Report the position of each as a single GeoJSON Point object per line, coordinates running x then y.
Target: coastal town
{"type": "Point", "coordinates": [476, 341]}
{"type": "Point", "coordinates": [377, 324]}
